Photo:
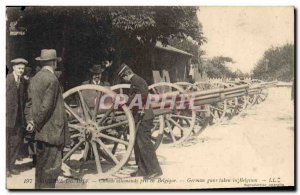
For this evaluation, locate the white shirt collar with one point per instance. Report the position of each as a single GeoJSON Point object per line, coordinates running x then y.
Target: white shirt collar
{"type": "Point", "coordinates": [48, 68]}
{"type": "Point", "coordinates": [96, 83]}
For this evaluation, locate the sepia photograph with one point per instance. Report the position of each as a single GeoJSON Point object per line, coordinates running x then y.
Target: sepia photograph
{"type": "Point", "coordinates": [150, 97]}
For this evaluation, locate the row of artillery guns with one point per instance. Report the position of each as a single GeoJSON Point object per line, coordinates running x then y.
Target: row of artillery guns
{"type": "Point", "coordinates": [102, 140]}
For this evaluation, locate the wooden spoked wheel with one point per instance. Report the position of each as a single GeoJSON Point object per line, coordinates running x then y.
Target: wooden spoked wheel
{"type": "Point", "coordinates": [262, 96]}
{"type": "Point", "coordinates": [158, 124]}
{"type": "Point", "coordinates": [240, 104]}
{"type": "Point", "coordinates": [202, 115]}
{"type": "Point", "coordinates": [219, 111]}
{"type": "Point", "coordinates": [250, 100]}
{"type": "Point", "coordinates": [256, 98]}
{"type": "Point", "coordinates": [100, 131]}
{"type": "Point", "coordinates": [204, 85]}
{"type": "Point", "coordinates": [188, 87]}
{"type": "Point", "coordinates": [178, 123]}
{"type": "Point", "coordinates": [237, 104]}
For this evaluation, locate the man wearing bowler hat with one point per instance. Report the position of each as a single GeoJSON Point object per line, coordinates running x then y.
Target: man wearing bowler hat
{"type": "Point", "coordinates": [45, 114]}
{"type": "Point", "coordinates": [145, 156]}
{"type": "Point", "coordinates": [90, 95]}
{"type": "Point", "coordinates": [96, 75]}
{"type": "Point", "coordinates": [15, 103]}
{"type": "Point", "coordinates": [96, 79]}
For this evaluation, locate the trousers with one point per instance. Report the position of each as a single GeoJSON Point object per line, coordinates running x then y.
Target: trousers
{"type": "Point", "coordinates": [14, 141]}
{"type": "Point", "coordinates": [48, 165]}
{"type": "Point", "coordinates": [144, 151]}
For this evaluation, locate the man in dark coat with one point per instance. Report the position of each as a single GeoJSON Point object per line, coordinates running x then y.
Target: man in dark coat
{"type": "Point", "coordinates": [15, 122]}
{"type": "Point", "coordinates": [96, 79]}
{"type": "Point", "coordinates": [145, 156]}
{"type": "Point", "coordinates": [90, 95]}
{"type": "Point", "coordinates": [96, 75]}
{"type": "Point", "coordinates": [45, 114]}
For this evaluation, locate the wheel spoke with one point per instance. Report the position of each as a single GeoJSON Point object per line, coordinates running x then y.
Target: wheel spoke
{"type": "Point", "coordinates": [97, 158]}
{"type": "Point", "coordinates": [110, 154]}
{"type": "Point", "coordinates": [215, 108]}
{"type": "Point", "coordinates": [180, 116]}
{"type": "Point", "coordinates": [154, 90]}
{"type": "Point", "coordinates": [116, 145]}
{"type": "Point", "coordinates": [97, 104]}
{"type": "Point", "coordinates": [113, 139]}
{"type": "Point", "coordinates": [171, 131]}
{"type": "Point", "coordinates": [113, 125]}
{"type": "Point", "coordinates": [86, 150]}
{"type": "Point", "coordinates": [76, 127]}
{"type": "Point", "coordinates": [214, 115]}
{"type": "Point", "coordinates": [175, 123]}
{"type": "Point", "coordinates": [107, 113]}
{"type": "Point", "coordinates": [75, 135]}
{"type": "Point", "coordinates": [86, 111]}
{"type": "Point", "coordinates": [72, 151]}
{"type": "Point", "coordinates": [74, 114]}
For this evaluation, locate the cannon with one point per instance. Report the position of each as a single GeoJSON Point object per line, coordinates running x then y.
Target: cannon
{"type": "Point", "coordinates": [172, 124]}
{"type": "Point", "coordinates": [107, 135]}
{"type": "Point", "coordinates": [219, 110]}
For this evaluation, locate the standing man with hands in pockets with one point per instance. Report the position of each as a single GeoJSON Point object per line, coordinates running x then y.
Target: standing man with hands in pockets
{"type": "Point", "coordinates": [15, 122]}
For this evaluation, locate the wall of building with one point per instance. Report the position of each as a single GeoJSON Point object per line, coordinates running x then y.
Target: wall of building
{"type": "Point", "coordinates": [176, 64]}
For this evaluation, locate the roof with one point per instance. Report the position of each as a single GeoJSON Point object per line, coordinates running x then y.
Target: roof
{"type": "Point", "coordinates": [159, 45]}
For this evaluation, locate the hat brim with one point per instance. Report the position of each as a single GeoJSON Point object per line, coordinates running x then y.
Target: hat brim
{"type": "Point", "coordinates": [20, 63]}
{"type": "Point", "coordinates": [97, 72]}
{"type": "Point", "coordinates": [123, 69]}
{"type": "Point", "coordinates": [58, 59]}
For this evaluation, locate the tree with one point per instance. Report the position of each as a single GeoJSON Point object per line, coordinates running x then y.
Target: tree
{"type": "Point", "coordinates": [86, 35]}
{"type": "Point", "coordinates": [189, 45]}
{"type": "Point", "coordinates": [216, 67]}
{"type": "Point", "coordinates": [238, 74]}
{"type": "Point", "coordinates": [277, 63]}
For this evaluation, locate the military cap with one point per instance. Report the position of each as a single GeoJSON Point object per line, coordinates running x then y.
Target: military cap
{"type": "Point", "coordinates": [18, 61]}
{"type": "Point", "coordinates": [123, 68]}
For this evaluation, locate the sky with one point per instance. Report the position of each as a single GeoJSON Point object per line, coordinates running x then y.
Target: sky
{"type": "Point", "coordinates": [245, 33]}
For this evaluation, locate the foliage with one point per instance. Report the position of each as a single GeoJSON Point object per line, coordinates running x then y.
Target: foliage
{"type": "Point", "coordinates": [157, 23]}
{"type": "Point", "coordinates": [216, 67]}
{"type": "Point", "coordinates": [87, 35]}
{"type": "Point", "coordinates": [189, 45]}
{"type": "Point", "coordinates": [277, 63]}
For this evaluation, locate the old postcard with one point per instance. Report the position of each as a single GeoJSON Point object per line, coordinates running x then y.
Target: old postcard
{"type": "Point", "coordinates": [149, 97]}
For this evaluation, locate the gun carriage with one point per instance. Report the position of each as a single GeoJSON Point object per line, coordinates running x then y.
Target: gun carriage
{"type": "Point", "coordinates": [107, 135]}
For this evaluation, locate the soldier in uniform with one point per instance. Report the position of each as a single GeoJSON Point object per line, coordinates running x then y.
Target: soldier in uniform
{"type": "Point", "coordinates": [145, 156]}
{"type": "Point", "coordinates": [15, 103]}
{"type": "Point", "coordinates": [45, 114]}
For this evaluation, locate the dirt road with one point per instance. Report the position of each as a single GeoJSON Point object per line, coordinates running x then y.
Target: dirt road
{"type": "Point", "coordinates": [253, 149]}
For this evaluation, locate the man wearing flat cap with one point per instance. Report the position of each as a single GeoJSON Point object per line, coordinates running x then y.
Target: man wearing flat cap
{"type": "Point", "coordinates": [145, 156]}
{"type": "Point", "coordinates": [15, 103]}
{"type": "Point", "coordinates": [45, 114]}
